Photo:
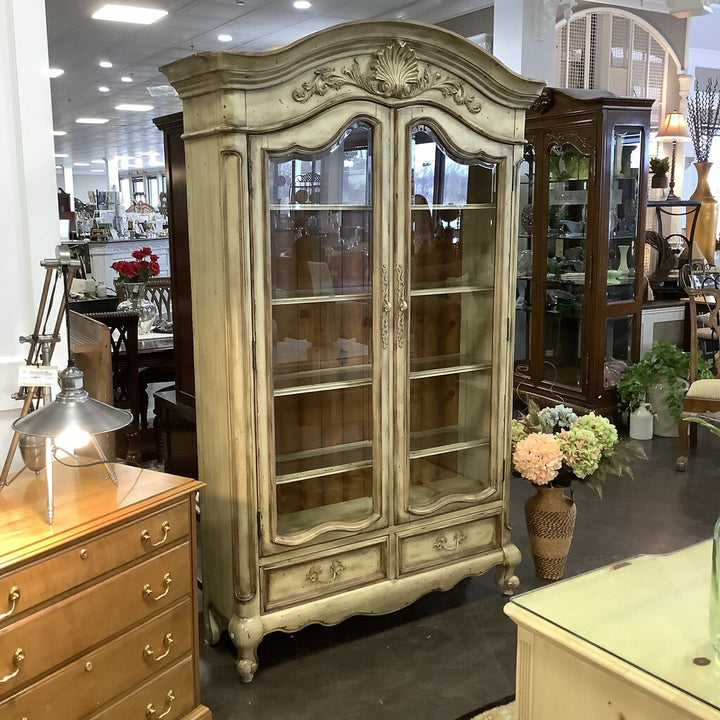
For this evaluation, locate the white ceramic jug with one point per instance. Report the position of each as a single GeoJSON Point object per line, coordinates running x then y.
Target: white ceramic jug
{"type": "Point", "coordinates": [641, 423]}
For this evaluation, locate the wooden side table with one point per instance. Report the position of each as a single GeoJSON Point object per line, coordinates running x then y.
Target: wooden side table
{"type": "Point", "coordinates": [630, 640]}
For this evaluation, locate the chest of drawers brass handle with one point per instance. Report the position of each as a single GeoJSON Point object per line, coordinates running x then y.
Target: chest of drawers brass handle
{"type": "Point", "coordinates": [18, 659]}
{"type": "Point", "coordinates": [13, 597]}
{"type": "Point", "coordinates": [151, 712]}
{"type": "Point", "coordinates": [147, 590]}
{"type": "Point", "coordinates": [167, 642]}
{"type": "Point", "coordinates": [145, 534]}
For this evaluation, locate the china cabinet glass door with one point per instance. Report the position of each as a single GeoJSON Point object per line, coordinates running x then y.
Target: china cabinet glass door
{"type": "Point", "coordinates": [568, 174]}
{"type": "Point", "coordinates": [450, 330]}
{"type": "Point", "coordinates": [525, 253]}
{"type": "Point", "coordinates": [321, 252]}
{"type": "Point", "coordinates": [625, 157]}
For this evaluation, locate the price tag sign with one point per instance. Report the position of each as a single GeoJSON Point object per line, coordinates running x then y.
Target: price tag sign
{"type": "Point", "coordinates": [34, 376]}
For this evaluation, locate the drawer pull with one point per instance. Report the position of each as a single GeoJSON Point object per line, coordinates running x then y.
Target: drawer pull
{"type": "Point", "coordinates": [13, 597]}
{"type": "Point", "coordinates": [147, 590]}
{"type": "Point", "coordinates": [167, 642]}
{"type": "Point", "coordinates": [442, 543]}
{"type": "Point", "coordinates": [315, 573]}
{"type": "Point", "coordinates": [145, 534]}
{"type": "Point", "coordinates": [150, 711]}
{"type": "Point", "coordinates": [18, 659]}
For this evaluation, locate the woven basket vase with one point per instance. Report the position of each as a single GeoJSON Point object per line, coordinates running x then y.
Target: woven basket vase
{"type": "Point", "coordinates": [550, 518]}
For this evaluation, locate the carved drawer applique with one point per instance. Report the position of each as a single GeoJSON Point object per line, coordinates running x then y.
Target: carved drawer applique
{"type": "Point", "coordinates": [445, 544]}
{"type": "Point", "coordinates": [287, 583]}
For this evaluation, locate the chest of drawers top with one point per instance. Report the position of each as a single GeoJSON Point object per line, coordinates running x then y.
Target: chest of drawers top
{"type": "Point", "coordinates": [85, 502]}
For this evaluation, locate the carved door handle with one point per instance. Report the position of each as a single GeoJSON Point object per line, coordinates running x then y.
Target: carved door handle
{"type": "Point", "coordinates": [147, 590]}
{"type": "Point", "coordinates": [13, 597]}
{"type": "Point", "coordinates": [145, 534]}
{"type": "Point", "coordinates": [18, 660]}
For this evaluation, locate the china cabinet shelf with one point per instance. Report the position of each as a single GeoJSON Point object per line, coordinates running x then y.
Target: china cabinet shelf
{"type": "Point", "coordinates": [572, 334]}
{"type": "Point", "coordinates": [358, 457]}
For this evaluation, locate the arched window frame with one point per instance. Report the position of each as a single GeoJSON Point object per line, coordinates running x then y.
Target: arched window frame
{"type": "Point", "coordinates": [597, 76]}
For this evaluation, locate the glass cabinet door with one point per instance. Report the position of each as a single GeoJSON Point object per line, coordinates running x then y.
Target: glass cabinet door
{"type": "Point", "coordinates": [451, 275]}
{"type": "Point", "coordinates": [321, 277]}
{"type": "Point", "coordinates": [523, 297]}
{"type": "Point", "coordinates": [565, 264]}
{"type": "Point", "coordinates": [626, 152]}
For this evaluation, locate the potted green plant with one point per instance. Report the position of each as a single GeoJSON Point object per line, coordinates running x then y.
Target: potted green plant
{"type": "Point", "coordinates": [661, 377]}
{"type": "Point", "coordinates": [659, 167]}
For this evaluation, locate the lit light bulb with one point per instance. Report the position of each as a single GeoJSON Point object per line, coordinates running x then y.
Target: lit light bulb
{"type": "Point", "coordinates": [72, 438]}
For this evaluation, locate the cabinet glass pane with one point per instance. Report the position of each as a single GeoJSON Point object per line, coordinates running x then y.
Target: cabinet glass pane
{"type": "Point", "coordinates": [618, 348]}
{"type": "Point", "coordinates": [322, 329]}
{"type": "Point", "coordinates": [568, 179]}
{"type": "Point", "coordinates": [452, 268]}
{"type": "Point", "coordinates": [626, 154]}
{"type": "Point", "coordinates": [523, 298]}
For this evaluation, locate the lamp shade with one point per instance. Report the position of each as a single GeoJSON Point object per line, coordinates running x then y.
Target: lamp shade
{"type": "Point", "coordinates": [674, 127]}
{"type": "Point", "coordinates": [72, 407]}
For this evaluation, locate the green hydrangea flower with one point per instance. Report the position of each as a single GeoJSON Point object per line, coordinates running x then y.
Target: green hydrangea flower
{"type": "Point", "coordinates": [603, 430]}
{"type": "Point", "coordinates": [517, 432]}
{"type": "Point", "coordinates": [581, 450]}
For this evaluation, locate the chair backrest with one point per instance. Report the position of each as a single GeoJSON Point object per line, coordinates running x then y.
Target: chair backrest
{"type": "Point", "coordinates": [158, 290]}
{"type": "Point", "coordinates": [124, 349]}
{"type": "Point", "coordinates": [704, 298]}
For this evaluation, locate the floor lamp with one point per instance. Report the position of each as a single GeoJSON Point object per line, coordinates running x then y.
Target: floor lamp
{"type": "Point", "coordinates": [674, 128]}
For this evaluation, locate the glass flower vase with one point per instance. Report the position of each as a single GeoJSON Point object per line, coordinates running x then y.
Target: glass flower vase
{"type": "Point", "coordinates": [135, 301]}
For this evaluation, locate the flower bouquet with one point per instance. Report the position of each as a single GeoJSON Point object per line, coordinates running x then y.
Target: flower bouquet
{"type": "Point", "coordinates": [552, 448]}
{"type": "Point", "coordinates": [140, 269]}
{"type": "Point", "coordinates": [130, 286]}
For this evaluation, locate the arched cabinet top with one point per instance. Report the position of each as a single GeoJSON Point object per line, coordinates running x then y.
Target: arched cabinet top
{"type": "Point", "coordinates": [391, 63]}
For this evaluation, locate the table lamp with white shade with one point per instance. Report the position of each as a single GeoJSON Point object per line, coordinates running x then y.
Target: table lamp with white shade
{"type": "Point", "coordinates": [673, 129]}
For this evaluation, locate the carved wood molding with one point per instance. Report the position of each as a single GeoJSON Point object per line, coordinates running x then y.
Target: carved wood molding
{"type": "Point", "coordinates": [394, 72]}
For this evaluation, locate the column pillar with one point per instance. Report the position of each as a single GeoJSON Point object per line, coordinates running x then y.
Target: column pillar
{"type": "Point", "coordinates": [28, 187]}
{"type": "Point", "coordinates": [524, 36]}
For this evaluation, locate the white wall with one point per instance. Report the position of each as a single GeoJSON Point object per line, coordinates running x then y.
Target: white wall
{"type": "Point", "coordinates": [83, 183]}
{"type": "Point", "coordinates": [27, 185]}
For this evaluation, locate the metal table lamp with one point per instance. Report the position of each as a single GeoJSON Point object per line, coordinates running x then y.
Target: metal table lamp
{"type": "Point", "coordinates": [67, 422]}
{"type": "Point", "coordinates": [674, 128]}
{"type": "Point", "coordinates": [70, 421]}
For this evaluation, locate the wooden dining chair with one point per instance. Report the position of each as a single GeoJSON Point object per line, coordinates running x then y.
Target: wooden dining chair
{"type": "Point", "coordinates": [125, 377]}
{"type": "Point", "coordinates": [703, 395]}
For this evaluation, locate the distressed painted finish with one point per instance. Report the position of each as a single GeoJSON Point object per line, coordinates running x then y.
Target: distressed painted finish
{"type": "Point", "coordinates": [381, 550]}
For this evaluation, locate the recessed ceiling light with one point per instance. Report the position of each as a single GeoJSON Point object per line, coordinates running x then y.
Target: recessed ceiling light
{"type": "Point", "coordinates": [98, 162]}
{"type": "Point", "coordinates": [58, 167]}
{"type": "Point", "coordinates": [105, 64]}
{"type": "Point", "coordinates": [93, 170]}
{"type": "Point", "coordinates": [91, 121]}
{"type": "Point", "coordinates": [129, 14]}
{"type": "Point", "coordinates": [55, 72]}
{"type": "Point", "coordinates": [59, 133]}
{"type": "Point", "coordinates": [61, 155]}
{"type": "Point", "coordinates": [103, 88]}
{"type": "Point", "coordinates": [125, 78]}
{"type": "Point", "coordinates": [302, 4]}
{"type": "Point", "coordinates": [81, 164]}
{"type": "Point", "coordinates": [224, 38]}
{"type": "Point", "coordinates": [132, 107]}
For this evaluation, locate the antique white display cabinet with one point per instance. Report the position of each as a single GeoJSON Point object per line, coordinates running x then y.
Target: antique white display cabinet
{"type": "Point", "coordinates": [352, 218]}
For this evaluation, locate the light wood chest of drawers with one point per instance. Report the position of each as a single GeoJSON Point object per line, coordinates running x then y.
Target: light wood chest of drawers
{"type": "Point", "coordinates": [98, 612]}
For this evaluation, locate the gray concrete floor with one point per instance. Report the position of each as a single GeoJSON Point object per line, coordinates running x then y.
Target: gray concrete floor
{"type": "Point", "coordinates": [451, 653]}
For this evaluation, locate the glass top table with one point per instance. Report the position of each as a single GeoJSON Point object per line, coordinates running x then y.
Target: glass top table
{"type": "Point", "coordinates": [650, 611]}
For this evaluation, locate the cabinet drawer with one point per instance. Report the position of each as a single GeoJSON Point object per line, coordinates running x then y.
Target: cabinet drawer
{"type": "Point", "coordinates": [447, 543]}
{"type": "Point", "coordinates": [46, 579]}
{"type": "Point", "coordinates": [79, 622]}
{"type": "Point", "coordinates": [172, 691]}
{"type": "Point", "coordinates": [95, 679]}
{"type": "Point", "coordinates": [292, 582]}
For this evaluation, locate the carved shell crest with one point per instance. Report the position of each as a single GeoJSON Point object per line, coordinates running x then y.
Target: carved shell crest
{"type": "Point", "coordinates": [394, 72]}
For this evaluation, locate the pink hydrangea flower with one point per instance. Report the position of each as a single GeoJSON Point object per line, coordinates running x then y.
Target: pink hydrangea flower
{"type": "Point", "coordinates": [538, 457]}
